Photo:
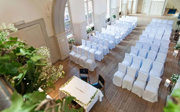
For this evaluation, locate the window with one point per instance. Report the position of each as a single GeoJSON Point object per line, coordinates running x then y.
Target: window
{"type": "Point", "coordinates": [108, 9]}
{"type": "Point", "coordinates": [88, 4]}
{"type": "Point", "coordinates": [67, 21]}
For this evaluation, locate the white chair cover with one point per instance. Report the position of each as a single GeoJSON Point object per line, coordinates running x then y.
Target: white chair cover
{"type": "Point", "coordinates": [139, 84]}
{"type": "Point", "coordinates": [151, 91]}
{"type": "Point", "coordinates": [127, 60]}
{"type": "Point", "coordinates": [129, 78]}
{"type": "Point", "coordinates": [119, 75]}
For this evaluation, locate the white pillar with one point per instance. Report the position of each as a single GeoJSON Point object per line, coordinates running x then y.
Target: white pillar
{"type": "Point", "coordinates": [135, 4]}
{"type": "Point", "coordinates": [99, 14]}
{"type": "Point", "coordinates": [78, 19]}
{"type": "Point", "coordinates": [59, 28]}
{"type": "Point", "coordinates": [130, 4]}
{"type": "Point", "coordinates": [114, 8]}
{"type": "Point", "coordinates": [124, 7]}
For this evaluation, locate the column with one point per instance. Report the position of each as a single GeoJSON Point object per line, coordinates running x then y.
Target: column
{"type": "Point", "coordinates": [114, 8]}
{"type": "Point", "coordinates": [60, 34]}
{"type": "Point", "coordinates": [78, 19]}
{"type": "Point", "coordinates": [99, 14]}
{"type": "Point", "coordinates": [134, 9]}
{"type": "Point", "coordinates": [124, 7]}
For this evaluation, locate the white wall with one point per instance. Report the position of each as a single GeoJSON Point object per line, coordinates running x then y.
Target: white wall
{"type": "Point", "coordinates": [12, 11]}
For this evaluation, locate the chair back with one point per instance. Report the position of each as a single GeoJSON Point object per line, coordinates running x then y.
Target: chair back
{"type": "Point", "coordinates": [128, 57]}
{"type": "Point", "coordinates": [86, 53]}
{"type": "Point", "coordinates": [101, 80]}
{"type": "Point", "coordinates": [142, 77]}
{"type": "Point", "coordinates": [88, 44]}
{"type": "Point", "coordinates": [83, 71]}
{"type": "Point", "coordinates": [134, 50]}
{"type": "Point", "coordinates": [74, 48]}
{"type": "Point", "coordinates": [122, 68]}
{"type": "Point", "coordinates": [79, 50]}
{"type": "Point", "coordinates": [83, 42]}
{"type": "Point", "coordinates": [94, 46]}
{"type": "Point", "coordinates": [139, 45]}
{"type": "Point", "coordinates": [137, 60]}
{"type": "Point", "coordinates": [154, 81]}
{"type": "Point", "coordinates": [143, 53]}
{"type": "Point", "coordinates": [131, 72]}
{"type": "Point", "coordinates": [152, 55]}
{"type": "Point", "coordinates": [157, 66]}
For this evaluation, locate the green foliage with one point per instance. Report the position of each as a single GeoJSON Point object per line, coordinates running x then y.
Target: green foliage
{"type": "Point", "coordinates": [174, 78]}
{"type": "Point", "coordinates": [27, 103]}
{"type": "Point", "coordinates": [71, 41]}
{"type": "Point", "coordinates": [174, 105]}
{"type": "Point", "coordinates": [22, 65]}
{"type": "Point", "coordinates": [177, 47]}
{"type": "Point", "coordinates": [89, 30]}
{"type": "Point", "coordinates": [37, 102]}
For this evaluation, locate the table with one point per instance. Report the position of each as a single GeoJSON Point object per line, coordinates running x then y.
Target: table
{"type": "Point", "coordinates": [85, 94]}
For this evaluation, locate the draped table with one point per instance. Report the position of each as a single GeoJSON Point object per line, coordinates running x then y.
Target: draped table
{"type": "Point", "coordinates": [85, 94]}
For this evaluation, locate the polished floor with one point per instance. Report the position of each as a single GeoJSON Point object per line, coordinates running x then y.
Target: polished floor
{"type": "Point", "coordinates": [117, 99]}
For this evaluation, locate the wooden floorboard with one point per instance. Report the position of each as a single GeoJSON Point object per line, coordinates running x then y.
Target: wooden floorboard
{"type": "Point", "coordinates": [118, 99]}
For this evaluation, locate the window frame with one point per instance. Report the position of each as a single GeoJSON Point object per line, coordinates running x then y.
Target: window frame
{"type": "Point", "coordinates": [86, 3]}
{"type": "Point", "coordinates": [67, 5]}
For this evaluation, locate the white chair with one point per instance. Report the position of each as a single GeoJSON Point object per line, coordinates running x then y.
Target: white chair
{"type": "Point", "coordinates": [105, 47]}
{"type": "Point", "coordinates": [127, 59]}
{"type": "Point", "coordinates": [146, 66]}
{"type": "Point", "coordinates": [143, 53]}
{"type": "Point", "coordinates": [155, 47]}
{"type": "Point", "coordinates": [83, 57]}
{"type": "Point", "coordinates": [147, 46]}
{"type": "Point", "coordinates": [161, 57]}
{"type": "Point", "coordinates": [92, 49]}
{"type": "Point", "coordinates": [137, 61]}
{"type": "Point", "coordinates": [90, 62]}
{"type": "Point", "coordinates": [134, 51]}
{"type": "Point", "coordinates": [151, 91]}
{"type": "Point", "coordinates": [157, 69]}
{"type": "Point", "coordinates": [119, 75]}
{"type": "Point", "coordinates": [88, 45]}
{"type": "Point", "coordinates": [139, 84]}
{"type": "Point", "coordinates": [139, 45]}
{"type": "Point", "coordinates": [163, 50]}
{"type": "Point", "coordinates": [129, 78]}
{"type": "Point", "coordinates": [77, 55]}
{"type": "Point", "coordinates": [152, 55]}
{"type": "Point", "coordinates": [99, 53]}
{"type": "Point", "coordinates": [72, 53]}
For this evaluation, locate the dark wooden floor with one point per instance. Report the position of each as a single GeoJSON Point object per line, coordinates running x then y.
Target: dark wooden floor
{"type": "Point", "coordinates": [118, 99]}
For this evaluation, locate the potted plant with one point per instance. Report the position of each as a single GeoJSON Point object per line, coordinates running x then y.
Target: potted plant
{"type": "Point", "coordinates": [174, 78]}
{"type": "Point", "coordinates": [89, 30]}
{"type": "Point", "coordinates": [26, 68]}
{"type": "Point", "coordinates": [71, 42]}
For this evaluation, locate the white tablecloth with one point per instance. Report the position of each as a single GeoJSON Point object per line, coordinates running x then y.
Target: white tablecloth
{"type": "Point", "coordinates": [85, 94]}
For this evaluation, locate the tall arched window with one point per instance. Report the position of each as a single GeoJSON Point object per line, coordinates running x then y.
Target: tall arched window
{"type": "Point", "coordinates": [88, 4]}
{"type": "Point", "coordinates": [68, 21]}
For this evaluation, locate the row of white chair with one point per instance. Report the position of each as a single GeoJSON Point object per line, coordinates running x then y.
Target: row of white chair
{"type": "Point", "coordinates": [83, 57]}
{"type": "Point", "coordinates": [147, 60]}
{"type": "Point", "coordinates": [125, 78]}
{"type": "Point", "coordinates": [147, 66]}
{"type": "Point", "coordinates": [149, 54]}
